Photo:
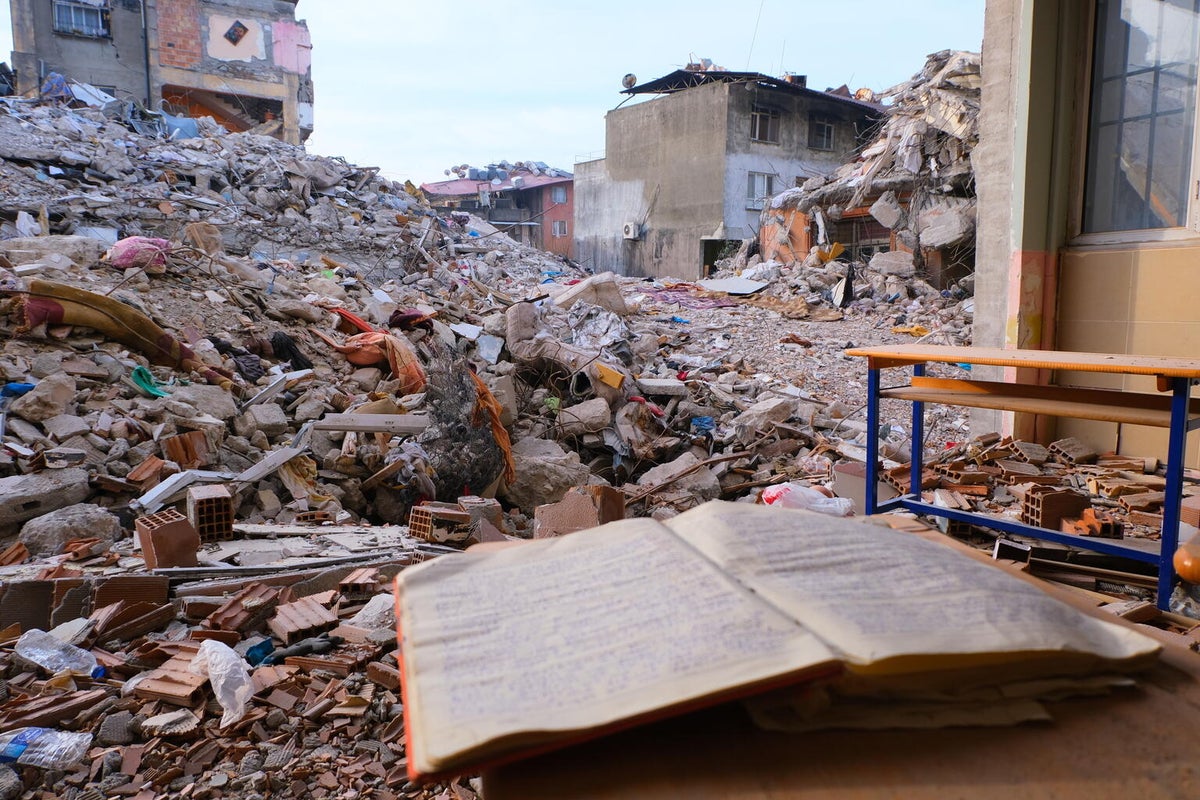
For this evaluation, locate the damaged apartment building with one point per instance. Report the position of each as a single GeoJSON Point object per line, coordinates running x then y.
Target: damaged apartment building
{"type": "Point", "coordinates": [907, 201]}
{"type": "Point", "coordinates": [686, 173]}
{"type": "Point", "coordinates": [245, 63]}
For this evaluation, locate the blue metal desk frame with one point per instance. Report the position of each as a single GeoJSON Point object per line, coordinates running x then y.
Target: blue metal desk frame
{"type": "Point", "coordinates": [1179, 428]}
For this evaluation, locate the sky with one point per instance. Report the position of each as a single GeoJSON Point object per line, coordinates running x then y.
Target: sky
{"type": "Point", "coordinates": [414, 88]}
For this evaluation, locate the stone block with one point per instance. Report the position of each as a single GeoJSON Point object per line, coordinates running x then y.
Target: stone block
{"type": "Point", "coordinates": [582, 507]}
{"type": "Point", "coordinates": [267, 418]}
{"type": "Point", "coordinates": [64, 426]}
{"type": "Point", "coordinates": [51, 397]}
{"type": "Point", "coordinates": [599, 290]}
{"type": "Point", "coordinates": [23, 497]}
{"type": "Point", "coordinates": [544, 473]}
{"type": "Point", "coordinates": [590, 416]}
{"type": "Point", "coordinates": [46, 534]}
{"type": "Point", "coordinates": [894, 262]}
{"type": "Point", "coordinates": [211, 400]}
{"type": "Point", "coordinates": [505, 392]}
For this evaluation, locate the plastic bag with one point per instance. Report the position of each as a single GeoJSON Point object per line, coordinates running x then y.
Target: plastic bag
{"type": "Point", "coordinates": [140, 251]}
{"type": "Point", "coordinates": [227, 673]}
{"type": "Point", "coordinates": [796, 495]}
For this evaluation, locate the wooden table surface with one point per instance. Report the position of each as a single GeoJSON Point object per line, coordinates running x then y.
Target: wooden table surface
{"type": "Point", "coordinates": [1141, 743]}
{"type": "Point", "coordinates": [908, 354]}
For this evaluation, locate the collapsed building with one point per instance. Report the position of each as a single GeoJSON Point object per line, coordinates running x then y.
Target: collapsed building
{"type": "Point", "coordinates": [907, 201]}
{"type": "Point", "coordinates": [245, 63]}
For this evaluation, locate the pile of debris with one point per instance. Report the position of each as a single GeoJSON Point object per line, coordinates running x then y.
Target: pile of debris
{"type": "Point", "coordinates": [1066, 486]}
{"type": "Point", "coordinates": [235, 373]}
{"type": "Point", "coordinates": [243, 386]}
{"type": "Point", "coordinates": [913, 182]}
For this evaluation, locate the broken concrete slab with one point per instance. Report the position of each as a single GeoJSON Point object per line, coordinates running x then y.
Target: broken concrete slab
{"type": "Point", "coordinates": [51, 397]}
{"type": "Point", "coordinates": [46, 534]}
{"type": "Point", "coordinates": [24, 497]}
{"type": "Point", "coordinates": [544, 473]}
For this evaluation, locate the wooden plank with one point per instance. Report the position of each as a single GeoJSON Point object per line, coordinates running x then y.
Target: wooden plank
{"type": "Point", "coordinates": [373, 423]}
{"type": "Point", "coordinates": [1033, 405]}
{"type": "Point", "coordinates": [1118, 363]}
{"type": "Point", "coordinates": [1151, 402]}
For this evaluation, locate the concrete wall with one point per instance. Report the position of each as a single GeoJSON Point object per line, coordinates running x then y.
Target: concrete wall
{"type": "Point", "coordinates": [602, 206]}
{"type": "Point", "coordinates": [557, 212]}
{"type": "Point", "coordinates": [114, 61]}
{"type": "Point", "coordinates": [1037, 285]}
{"type": "Point", "coordinates": [789, 160]}
{"type": "Point", "coordinates": [1138, 300]}
{"type": "Point", "coordinates": [192, 52]}
{"type": "Point", "coordinates": [666, 165]}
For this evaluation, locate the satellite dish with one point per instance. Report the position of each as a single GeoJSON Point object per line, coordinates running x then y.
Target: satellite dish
{"type": "Point", "coordinates": [629, 81]}
{"type": "Point", "coordinates": [496, 181]}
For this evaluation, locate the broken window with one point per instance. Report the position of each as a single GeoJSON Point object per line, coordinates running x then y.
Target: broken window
{"type": "Point", "coordinates": [760, 186]}
{"type": "Point", "coordinates": [558, 194]}
{"type": "Point", "coordinates": [820, 132]}
{"type": "Point", "coordinates": [560, 228]}
{"type": "Point", "coordinates": [81, 18]}
{"type": "Point", "coordinates": [764, 125]}
{"type": "Point", "coordinates": [1142, 122]}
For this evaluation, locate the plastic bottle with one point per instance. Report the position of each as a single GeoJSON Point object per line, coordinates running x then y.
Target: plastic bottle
{"type": "Point", "coordinates": [41, 747]}
{"type": "Point", "coordinates": [52, 654]}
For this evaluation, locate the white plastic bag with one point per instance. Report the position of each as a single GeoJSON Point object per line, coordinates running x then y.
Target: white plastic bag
{"type": "Point", "coordinates": [796, 495]}
{"type": "Point", "coordinates": [227, 673]}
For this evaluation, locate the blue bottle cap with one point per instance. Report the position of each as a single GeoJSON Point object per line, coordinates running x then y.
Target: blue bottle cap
{"type": "Point", "coordinates": [99, 672]}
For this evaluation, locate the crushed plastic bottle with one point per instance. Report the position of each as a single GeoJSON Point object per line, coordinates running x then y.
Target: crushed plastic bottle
{"type": "Point", "coordinates": [42, 747]}
{"type": "Point", "coordinates": [54, 655]}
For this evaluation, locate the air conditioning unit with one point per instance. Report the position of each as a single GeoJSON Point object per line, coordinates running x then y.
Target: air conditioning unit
{"type": "Point", "coordinates": [632, 230]}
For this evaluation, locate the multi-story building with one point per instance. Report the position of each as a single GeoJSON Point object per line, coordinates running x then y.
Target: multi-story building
{"type": "Point", "coordinates": [245, 63]}
{"type": "Point", "coordinates": [530, 201]}
{"type": "Point", "coordinates": [685, 175]}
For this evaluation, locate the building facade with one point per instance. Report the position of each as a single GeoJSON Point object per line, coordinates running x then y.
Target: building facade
{"type": "Point", "coordinates": [1088, 171]}
{"type": "Point", "coordinates": [245, 63]}
{"type": "Point", "coordinates": [534, 203]}
{"type": "Point", "coordinates": [685, 175]}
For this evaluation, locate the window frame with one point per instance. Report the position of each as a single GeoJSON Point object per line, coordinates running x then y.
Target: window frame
{"type": "Point", "coordinates": [826, 124]}
{"type": "Point", "coordinates": [1167, 236]}
{"type": "Point", "coordinates": [555, 190]}
{"type": "Point", "coordinates": [753, 199]}
{"type": "Point", "coordinates": [554, 229]}
{"type": "Point", "coordinates": [770, 117]}
{"type": "Point", "coordinates": [102, 31]}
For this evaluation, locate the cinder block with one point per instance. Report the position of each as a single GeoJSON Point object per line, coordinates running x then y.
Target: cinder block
{"type": "Point", "coordinates": [444, 523]}
{"type": "Point", "coordinates": [1047, 507]}
{"type": "Point", "coordinates": [167, 539]}
{"type": "Point", "coordinates": [210, 511]}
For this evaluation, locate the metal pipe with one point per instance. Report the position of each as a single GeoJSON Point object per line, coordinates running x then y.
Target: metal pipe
{"type": "Point", "coordinates": [146, 51]}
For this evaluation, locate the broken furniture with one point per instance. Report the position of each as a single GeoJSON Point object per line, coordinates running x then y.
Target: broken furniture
{"type": "Point", "coordinates": [1176, 412]}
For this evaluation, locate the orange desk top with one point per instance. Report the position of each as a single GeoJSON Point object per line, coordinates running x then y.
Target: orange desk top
{"type": "Point", "coordinates": [907, 355]}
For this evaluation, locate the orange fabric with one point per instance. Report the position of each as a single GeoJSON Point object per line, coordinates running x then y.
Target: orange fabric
{"type": "Point", "coordinates": [368, 349]}
{"type": "Point", "coordinates": [486, 403]}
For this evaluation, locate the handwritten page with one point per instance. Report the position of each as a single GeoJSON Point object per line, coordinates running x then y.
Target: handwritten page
{"type": "Point", "coordinates": [577, 632]}
{"type": "Point", "coordinates": [873, 593]}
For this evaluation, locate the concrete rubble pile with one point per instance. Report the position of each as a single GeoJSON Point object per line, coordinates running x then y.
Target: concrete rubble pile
{"type": "Point", "coordinates": [243, 386]}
